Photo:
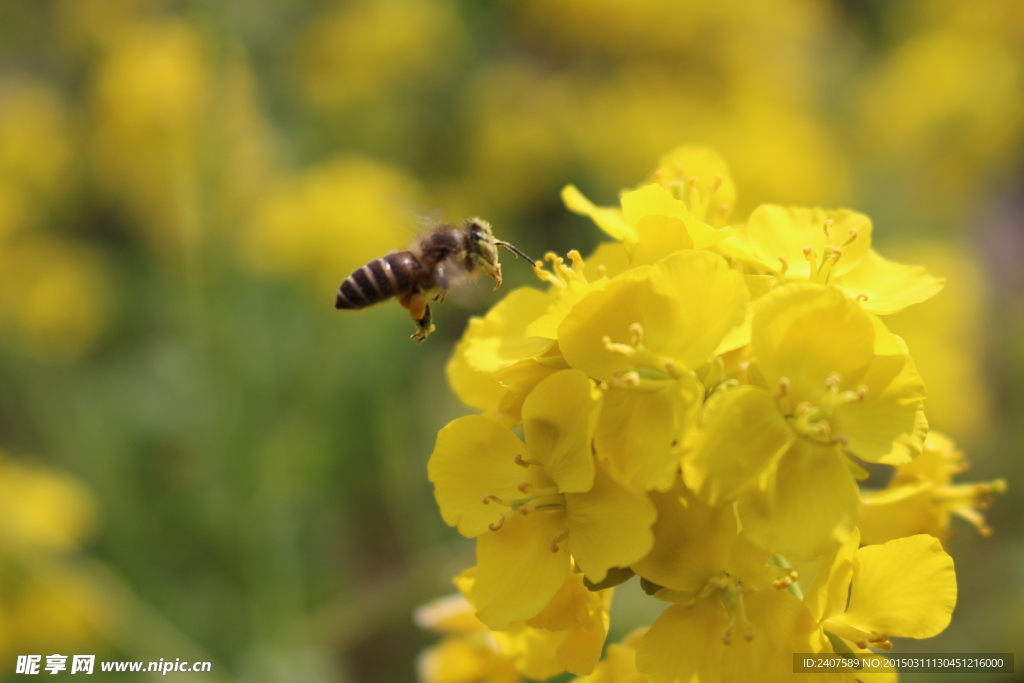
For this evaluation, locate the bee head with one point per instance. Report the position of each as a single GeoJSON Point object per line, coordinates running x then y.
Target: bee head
{"type": "Point", "coordinates": [481, 246]}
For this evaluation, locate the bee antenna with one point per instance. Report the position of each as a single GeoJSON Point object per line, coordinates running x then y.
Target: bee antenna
{"type": "Point", "coordinates": [515, 252]}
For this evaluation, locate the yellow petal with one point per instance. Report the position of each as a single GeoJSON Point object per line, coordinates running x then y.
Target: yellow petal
{"type": "Point", "coordinates": [694, 542]}
{"type": "Point", "coordinates": [639, 432]}
{"type": "Point", "coordinates": [830, 589]}
{"type": "Point", "coordinates": [685, 644]}
{"type": "Point", "coordinates": [806, 332]}
{"type": "Point", "coordinates": [708, 168]}
{"type": "Point", "coordinates": [607, 260]}
{"type": "Point", "coordinates": [518, 380]}
{"type": "Point", "coordinates": [559, 419]}
{"type": "Point", "coordinates": [782, 626]}
{"type": "Point", "coordinates": [618, 666]}
{"type": "Point", "coordinates": [889, 426]}
{"type": "Point", "coordinates": [889, 286]}
{"type": "Point", "coordinates": [608, 312]}
{"type": "Point", "coordinates": [499, 338]}
{"type": "Point", "coordinates": [741, 432]}
{"type": "Point", "coordinates": [474, 457]}
{"type": "Point", "coordinates": [608, 219]}
{"type": "Point", "coordinates": [806, 507]}
{"type": "Point", "coordinates": [609, 526]}
{"type": "Point", "coordinates": [697, 298]}
{"type": "Point", "coordinates": [774, 231]}
{"type": "Point", "coordinates": [517, 573]}
{"type": "Point", "coordinates": [448, 614]}
{"type": "Point", "coordinates": [533, 651]}
{"type": "Point", "coordinates": [904, 588]}
{"type": "Point", "coordinates": [474, 388]}
{"type": "Point", "coordinates": [902, 511]}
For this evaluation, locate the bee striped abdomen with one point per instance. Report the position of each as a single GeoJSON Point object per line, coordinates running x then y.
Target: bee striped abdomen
{"type": "Point", "coordinates": [378, 281]}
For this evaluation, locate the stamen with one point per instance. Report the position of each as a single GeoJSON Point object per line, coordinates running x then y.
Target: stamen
{"type": "Point", "coordinates": [561, 537]}
{"type": "Point", "coordinates": [490, 496]}
{"type": "Point", "coordinates": [828, 224]}
{"type": "Point", "coordinates": [812, 259]}
{"type": "Point", "coordinates": [722, 214]}
{"type": "Point", "coordinates": [785, 265]}
{"type": "Point", "coordinates": [636, 331]}
{"type": "Point", "coordinates": [862, 297]}
{"type": "Point", "coordinates": [783, 387]}
{"type": "Point", "coordinates": [786, 581]}
{"type": "Point", "coordinates": [849, 240]}
{"type": "Point", "coordinates": [523, 462]}
{"type": "Point", "coordinates": [524, 487]}
{"type": "Point", "coordinates": [832, 381]}
{"type": "Point", "coordinates": [494, 526]}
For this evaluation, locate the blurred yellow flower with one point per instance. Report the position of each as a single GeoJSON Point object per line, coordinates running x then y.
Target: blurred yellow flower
{"type": "Point", "coordinates": [948, 337]}
{"type": "Point", "coordinates": [945, 106]}
{"type": "Point", "coordinates": [468, 653]}
{"type": "Point", "coordinates": [53, 296]}
{"type": "Point", "coordinates": [358, 51]}
{"type": "Point", "coordinates": [45, 600]}
{"type": "Point", "coordinates": [169, 127]}
{"type": "Point", "coordinates": [921, 497]}
{"type": "Point", "coordinates": [326, 221]}
{"type": "Point", "coordinates": [35, 145]}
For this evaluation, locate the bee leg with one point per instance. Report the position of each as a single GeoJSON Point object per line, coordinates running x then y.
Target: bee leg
{"type": "Point", "coordinates": [420, 313]}
{"type": "Point", "coordinates": [496, 274]}
{"type": "Point", "coordinates": [423, 326]}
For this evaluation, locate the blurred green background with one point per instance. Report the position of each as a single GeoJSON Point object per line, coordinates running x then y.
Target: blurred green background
{"type": "Point", "coordinates": [202, 459]}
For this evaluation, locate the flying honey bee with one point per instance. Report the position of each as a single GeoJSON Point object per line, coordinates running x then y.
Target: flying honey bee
{"type": "Point", "coordinates": [427, 271]}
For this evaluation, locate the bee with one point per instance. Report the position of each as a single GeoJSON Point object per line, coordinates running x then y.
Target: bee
{"type": "Point", "coordinates": [427, 271]}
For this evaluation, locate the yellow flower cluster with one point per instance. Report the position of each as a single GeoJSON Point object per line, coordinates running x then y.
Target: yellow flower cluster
{"type": "Point", "coordinates": [48, 597]}
{"type": "Point", "coordinates": [695, 404]}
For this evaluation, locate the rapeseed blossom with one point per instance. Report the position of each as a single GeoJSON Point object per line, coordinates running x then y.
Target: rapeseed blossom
{"type": "Point", "coordinates": [696, 403]}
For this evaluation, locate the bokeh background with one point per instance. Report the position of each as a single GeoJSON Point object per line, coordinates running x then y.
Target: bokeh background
{"type": "Point", "coordinates": [201, 459]}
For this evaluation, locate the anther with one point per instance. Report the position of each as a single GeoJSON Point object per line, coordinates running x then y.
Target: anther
{"type": "Point", "coordinates": [833, 380]}
{"type": "Point", "coordinates": [785, 265]}
{"type": "Point", "coordinates": [636, 331]}
{"type": "Point", "coordinates": [722, 214]}
{"type": "Point", "coordinates": [862, 393]}
{"type": "Point", "coordinates": [602, 271]}
{"type": "Point", "coordinates": [489, 497]}
{"type": "Point", "coordinates": [558, 539]}
{"type": "Point", "coordinates": [631, 378]}
{"type": "Point", "coordinates": [521, 461]}
{"type": "Point", "coordinates": [783, 387]}
{"type": "Point", "coordinates": [862, 297]}
{"type": "Point", "coordinates": [828, 224]}
{"type": "Point", "coordinates": [849, 240]}
{"type": "Point", "coordinates": [524, 487]}
{"type": "Point", "coordinates": [494, 526]}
